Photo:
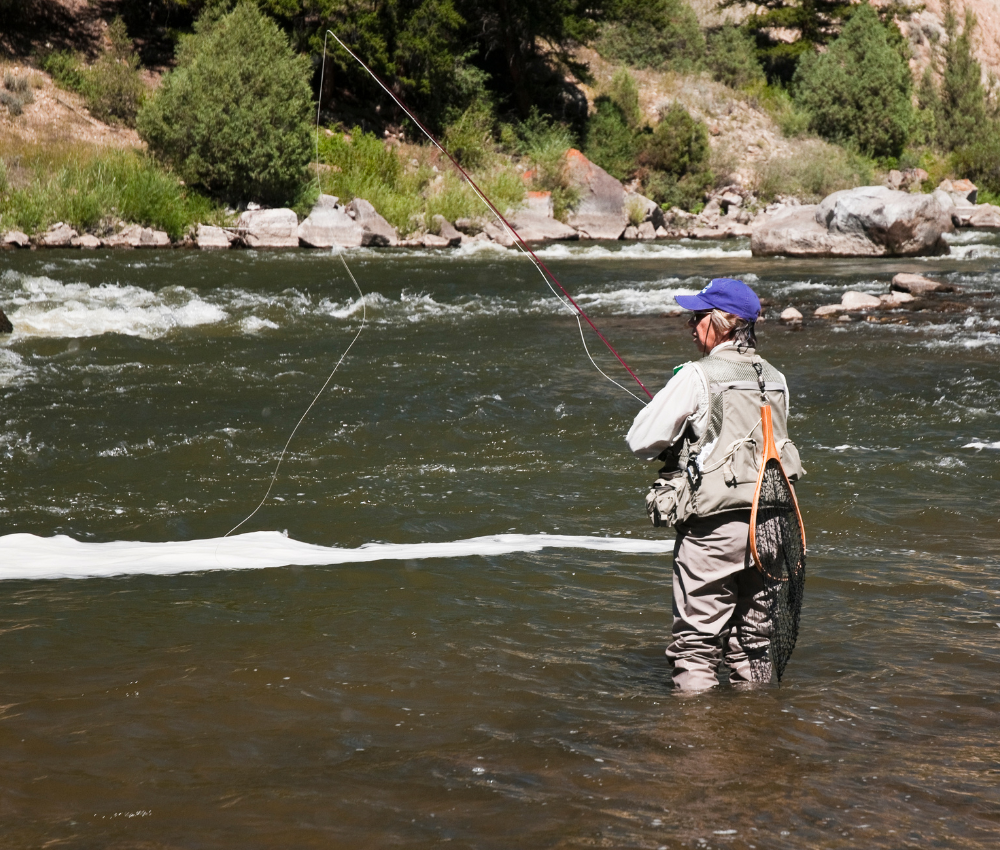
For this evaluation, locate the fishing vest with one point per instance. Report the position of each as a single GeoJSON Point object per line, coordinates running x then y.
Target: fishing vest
{"type": "Point", "coordinates": [721, 466]}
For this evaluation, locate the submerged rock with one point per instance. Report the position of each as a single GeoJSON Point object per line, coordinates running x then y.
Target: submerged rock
{"type": "Point", "coordinates": [790, 314]}
{"type": "Point", "coordinates": [918, 284]}
{"type": "Point", "coordinates": [853, 300]}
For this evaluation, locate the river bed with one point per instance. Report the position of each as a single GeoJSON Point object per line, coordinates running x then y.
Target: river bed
{"type": "Point", "coordinates": [447, 621]}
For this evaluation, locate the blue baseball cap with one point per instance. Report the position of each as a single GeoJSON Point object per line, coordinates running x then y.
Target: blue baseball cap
{"type": "Point", "coordinates": [724, 293]}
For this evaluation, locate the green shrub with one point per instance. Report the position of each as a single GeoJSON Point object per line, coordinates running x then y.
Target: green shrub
{"type": "Point", "coordinates": [980, 160]}
{"type": "Point", "coordinates": [624, 93]}
{"type": "Point", "coordinates": [611, 142]}
{"type": "Point", "coordinates": [234, 116]}
{"type": "Point", "coordinates": [653, 34]}
{"type": "Point", "coordinates": [14, 104]}
{"type": "Point", "coordinates": [113, 86]}
{"type": "Point", "coordinates": [731, 55]}
{"type": "Point", "coordinates": [858, 92]}
{"type": "Point", "coordinates": [811, 173]}
{"type": "Point", "coordinates": [678, 144]}
{"type": "Point", "coordinates": [961, 106]}
{"type": "Point", "coordinates": [545, 143]}
{"type": "Point", "coordinates": [65, 69]}
{"type": "Point", "coordinates": [470, 138]}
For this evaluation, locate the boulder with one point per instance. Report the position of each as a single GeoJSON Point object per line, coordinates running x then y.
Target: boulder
{"type": "Point", "coordinates": [447, 231]}
{"type": "Point", "coordinates": [537, 228]}
{"type": "Point", "coordinates": [981, 217]}
{"type": "Point", "coordinates": [662, 233]}
{"type": "Point", "coordinates": [88, 240]}
{"type": "Point", "coordinates": [540, 203]}
{"type": "Point", "coordinates": [646, 230]}
{"type": "Point", "coordinates": [600, 212]}
{"type": "Point", "coordinates": [829, 310]}
{"type": "Point", "coordinates": [209, 237]}
{"type": "Point", "coordinates": [963, 192]}
{"type": "Point", "coordinates": [431, 240]}
{"type": "Point", "coordinates": [895, 298]}
{"type": "Point", "coordinates": [498, 233]}
{"type": "Point", "coordinates": [60, 235]}
{"type": "Point", "coordinates": [790, 314]}
{"type": "Point", "coordinates": [377, 232]}
{"type": "Point", "coordinates": [917, 284]}
{"type": "Point", "coordinates": [269, 228]}
{"type": "Point", "coordinates": [470, 226]}
{"type": "Point", "coordinates": [859, 301]}
{"type": "Point", "coordinates": [872, 221]}
{"type": "Point", "coordinates": [136, 236]}
{"type": "Point", "coordinates": [16, 239]}
{"type": "Point", "coordinates": [328, 225]}
{"type": "Point", "coordinates": [651, 211]}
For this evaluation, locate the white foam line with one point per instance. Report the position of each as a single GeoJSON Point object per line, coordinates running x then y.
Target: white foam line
{"type": "Point", "coordinates": [27, 556]}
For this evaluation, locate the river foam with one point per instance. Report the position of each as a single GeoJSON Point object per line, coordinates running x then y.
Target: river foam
{"type": "Point", "coordinates": [27, 556]}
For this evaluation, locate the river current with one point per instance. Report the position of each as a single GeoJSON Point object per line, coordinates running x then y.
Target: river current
{"type": "Point", "coordinates": [446, 624]}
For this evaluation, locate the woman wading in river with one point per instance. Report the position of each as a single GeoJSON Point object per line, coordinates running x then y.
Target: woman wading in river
{"type": "Point", "coordinates": [705, 426]}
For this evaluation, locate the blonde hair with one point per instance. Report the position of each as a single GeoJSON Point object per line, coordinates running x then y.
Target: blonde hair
{"type": "Point", "coordinates": [728, 326]}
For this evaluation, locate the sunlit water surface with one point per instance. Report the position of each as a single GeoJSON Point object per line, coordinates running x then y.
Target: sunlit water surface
{"type": "Point", "coordinates": [497, 688]}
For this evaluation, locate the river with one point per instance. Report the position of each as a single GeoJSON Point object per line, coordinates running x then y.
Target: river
{"type": "Point", "coordinates": [447, 621]}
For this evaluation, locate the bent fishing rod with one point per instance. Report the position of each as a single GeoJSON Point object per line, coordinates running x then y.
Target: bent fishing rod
{"type": "Point", "coordinates": [549, 278]}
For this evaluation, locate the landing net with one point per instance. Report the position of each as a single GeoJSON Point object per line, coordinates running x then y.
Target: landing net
{"type": "Point", "coordinates": [781, 559]}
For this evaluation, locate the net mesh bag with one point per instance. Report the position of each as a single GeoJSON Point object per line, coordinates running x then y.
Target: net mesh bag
{"type": "Point", "coordinates": [781, 559]}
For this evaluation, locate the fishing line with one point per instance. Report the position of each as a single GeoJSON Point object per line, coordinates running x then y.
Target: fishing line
{"type": "Point", "coordinates": [563, 295]}
{"type": "Point", "coordinates": [274, 476]}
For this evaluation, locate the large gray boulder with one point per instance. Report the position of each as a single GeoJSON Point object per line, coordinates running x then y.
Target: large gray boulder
{"type": "Point", "coordinates": [269, 228]}
{"type": "Point", "coordinates": [328, 225]}
{"type": "Point", "coordinates": [376, 231]}
{"type": "Point", "coordinates": [534, 227]}
{"type": "Point", "coordinates": [981, 217]}
{"type": "Point", "coordinates": [208, 237]}
{"type": "Point", "coordinates": [601, 212]}
{"type": "Point", "coordinates": [59, 235]}
{"type": "Point", "coordinates": [651, 211]}
{"type": "Point", "coordinates": [872, 221]}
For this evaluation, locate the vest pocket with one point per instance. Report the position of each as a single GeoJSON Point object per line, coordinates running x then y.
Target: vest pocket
{"type": "Point", "coordinates": [790, 460]}
{"type": "Point", "coordinates": [742, 463]}
{"type": "Point", "coordinates": [669, 501]}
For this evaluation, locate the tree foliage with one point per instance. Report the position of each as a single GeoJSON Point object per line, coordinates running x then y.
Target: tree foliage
{"type": "Point", "coordinates": [858, 91]}
{"type": "Point", "coordinates": [962, 103]}
{"type": "Point", "coordinates": [731, 56]}
{"type": "Point", "coordinates": [233, 117]}
{"type": "Point", "coordinates": [652, 34]}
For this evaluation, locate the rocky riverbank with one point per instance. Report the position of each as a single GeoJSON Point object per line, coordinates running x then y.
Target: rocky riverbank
{"type": "Point", "coordinates": [870, 221]}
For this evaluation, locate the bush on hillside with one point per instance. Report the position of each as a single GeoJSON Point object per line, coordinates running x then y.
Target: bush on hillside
{"type": "Point", "coordinates": [980, 161]}
{"type": "Point", "coordinates": [624, 92]}
{"type": "Point", "coordinates": [811, 173]}
{"type": "Point", "coordinates": [234, 115]}
{"type": "Point", "coordinates": [858, 92]}
{"type": "Point", "coordinates": [731, 55]}
{"type": "Point", "coordinates": [611, 142]}
{"type": "Point", "coordinates": [113, 86]}
{"type": "Point", "coordinates": [673, 160]}
{"type": "Point", "coordinates": [653, 34]}
{"type": "Point", "coordinates": [961, 109]}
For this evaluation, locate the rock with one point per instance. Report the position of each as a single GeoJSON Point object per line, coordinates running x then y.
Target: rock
{"type": "Point", "coordinates": [498, 234]}
{"type": "Point", "coordinates": [829, 310]}
{"type": "Point", "coordinates": [646, 230]}
{"type": "Point", "coordinates": [269, 228]}
{"type": "Point", "coordinates": [86, 241]}
{"type": "Point", "coordinates": [917, 284]}
{"type": "Point", "coordinates": [470, 226]}
{"type": "Point", "coordinates": [58, 236]}
{"type": "Point", "coordinates": [209, 237]}
{"type": "Point", "coordinates": [962, 191]}
{"type": "Point", "coordinates": [707, 233]}
{"type": "Point", "coordinates": [430, 240]}
{"type": "Point", "coordinates": [731, 199]}
{"type": "Point", "coordinates": [534, 227]}
{"type": "Point", "coordinates": [600, 212]}
{"type": "Point", "coordinates": [540, 203]}
{"type": "Point", "coordinates": [135, 236]}
{"type": "Point", "coordinates": [328, 225]}
{"type": "Point", "coordinates": [5, 326]}
{"type": "Point", "coordinates": [651, 211]}
{"type": "Point", "coordinates": [790, 314]}
{"type": "Point", "coordinates": [895, 179]}
{"type": "Point", "coordinates": [662, 233]}
{"type": "Point", "coordinates": [898, 223]}
{"type": "Point", "coordinates": [732, 229]}
{"type": "Point", "coordinates": [378, 233]}
{"type": "Point", "coordinates": [894, 298]}
{"type": "Point", "coordinates": [631, 232]}
{"type": "Point", "coordinates": [16, 239]}
{"type": "Point", "coordinates": [981, 217]}
{"type": "Point", "coordinates": [872, 221]}
{"type": "Point", "coordinates": [447, 231]}
{"type": "Point", "coordinates": [859, 301]}
{"type": "Point", "coordinates": [713, 207]}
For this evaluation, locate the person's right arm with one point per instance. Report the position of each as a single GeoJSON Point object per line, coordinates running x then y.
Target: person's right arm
{"type": "Point", "coordinates": [661, 423]}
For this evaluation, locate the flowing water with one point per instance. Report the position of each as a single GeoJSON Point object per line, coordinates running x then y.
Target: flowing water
{"type": "Point", "coordinates": [447, 622]}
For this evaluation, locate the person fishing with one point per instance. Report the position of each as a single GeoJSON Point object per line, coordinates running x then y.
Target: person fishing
{"type": "Point", "coordinates": [705, 425]}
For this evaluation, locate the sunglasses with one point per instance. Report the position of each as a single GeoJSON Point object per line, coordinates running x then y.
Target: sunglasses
{"type": "Point", "coordinates": [696, 318]}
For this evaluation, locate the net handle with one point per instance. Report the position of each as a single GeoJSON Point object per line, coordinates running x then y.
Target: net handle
{"type": "Point", "coordinates": [769, 451]}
